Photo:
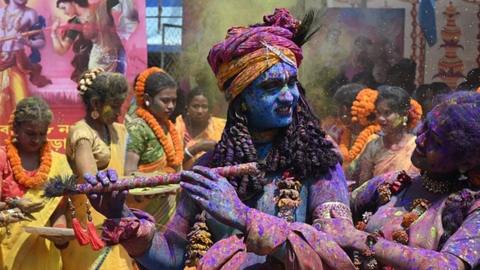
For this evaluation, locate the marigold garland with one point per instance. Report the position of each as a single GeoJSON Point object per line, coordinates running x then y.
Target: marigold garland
{"type": "Point", "coordinates": [19, 174]}
{"type": "Point", "coordinates": [362, 108]}
{"type": "Point", "coordinates": [360, 142]}
{"type": "Point", "coordinates": [173, 152]}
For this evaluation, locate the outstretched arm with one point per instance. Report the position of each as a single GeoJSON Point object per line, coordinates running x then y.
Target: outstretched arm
{"type": "Point", "coordinates": [459, 252]}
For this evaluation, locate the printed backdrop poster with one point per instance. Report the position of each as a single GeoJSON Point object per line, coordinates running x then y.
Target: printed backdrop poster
{"type": "Point", "coordinates": [46, 45]}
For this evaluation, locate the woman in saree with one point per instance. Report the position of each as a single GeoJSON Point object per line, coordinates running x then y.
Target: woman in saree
{"type": "Point", "coordinates": [396, 114]}
{"type": "Point", "coordinates": [96, 143]}
{"type": "Point", "coordinates": [200, 131]}
{"type": "Point", "coordinates": [27, 161]}
{"type": "Point", "coordinates": [427, 220]}
{"type": "Point", "coordinates": [154, 144]}
{"type": "Point", "coordinates": [255, 221]}
{"type": "Point", "coordinates": [355, 127]}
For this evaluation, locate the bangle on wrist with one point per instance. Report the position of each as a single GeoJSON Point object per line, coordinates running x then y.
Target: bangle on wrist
{"type": "Point", "coordinates": [188, 153]}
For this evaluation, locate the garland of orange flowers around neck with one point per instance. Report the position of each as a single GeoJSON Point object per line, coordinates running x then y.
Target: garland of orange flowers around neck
{"type": "Point", "coordinates": [19, 174]}
{"type": "Point", "coordinates": [360, 142]}
{"type": "Point", "coordinates": [362, 107]}
{"type": "Point", "coordinates": [173, 152]}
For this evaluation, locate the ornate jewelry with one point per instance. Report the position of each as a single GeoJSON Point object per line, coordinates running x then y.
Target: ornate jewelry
{"type": "Point", "coordinates": [435, 186]}
{"type": "Point", "coordinates": [11, 20]}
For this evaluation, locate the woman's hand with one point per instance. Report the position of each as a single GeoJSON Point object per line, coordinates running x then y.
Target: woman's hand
{"type": "Point", "coordinates": [12, 216]}
{"type": "Point", "coordinates": [202, 146]}
{"type": "Point", "coordinates": [54, 27]}
{"type": "Point", "coordinates": [111, 204]}
{"type": "Point", "coordinates": [25, 205]}
{"type": "Point", "coordinates": [216, 195]}
{"type": "Point", "coordinates": [206, 145]}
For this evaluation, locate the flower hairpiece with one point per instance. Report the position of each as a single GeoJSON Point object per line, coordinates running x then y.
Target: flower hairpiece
{"type": "Point", "coordinates": [87, 80]}
{"type": "Point", "coordinates": [141, 83]}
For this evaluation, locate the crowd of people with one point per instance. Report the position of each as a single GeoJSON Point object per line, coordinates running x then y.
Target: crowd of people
{"type": "Point", "coordinates": [389, 181]}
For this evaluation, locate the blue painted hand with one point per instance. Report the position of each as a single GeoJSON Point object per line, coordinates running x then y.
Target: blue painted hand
{"type": "Point", "coordinates": [216, 195]}
{"type": "Point", "coordinates": [112, 204]}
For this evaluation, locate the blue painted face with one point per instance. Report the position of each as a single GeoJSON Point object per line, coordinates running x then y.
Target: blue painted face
{"type": "Point", "coordinates": [272, 97]}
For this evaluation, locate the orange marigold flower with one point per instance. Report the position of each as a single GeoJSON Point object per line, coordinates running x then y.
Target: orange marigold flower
{"type": "Point", "coordinates": [19, 174]}
{"type": "Point", "coordinates": [141, 82]}
{"type": "Point", "coordinates": [364, 106]}
{"type": "Point", "coordinates": [174, 153]}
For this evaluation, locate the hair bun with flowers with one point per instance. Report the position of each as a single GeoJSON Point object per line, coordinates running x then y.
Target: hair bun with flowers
{"type": "Point", "coordinates": [141, 82]}
{"type": "Point", "coordinates": [364, 106]}
{"type": "Point", "coordinates": [87, 79]}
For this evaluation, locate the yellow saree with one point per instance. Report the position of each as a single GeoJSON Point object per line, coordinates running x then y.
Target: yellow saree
{"type": "Point", "coordinates": [213, 132]}
{"type": "Point", "coordinates": [83, 257]}
{"type": "Point", "coordinates": [21, 250]}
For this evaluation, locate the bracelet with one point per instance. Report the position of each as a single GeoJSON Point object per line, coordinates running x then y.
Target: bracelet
{"type": "Point", "coordinates": [342, 210]}
{"type": "Point", "coordinates": [188, 153]}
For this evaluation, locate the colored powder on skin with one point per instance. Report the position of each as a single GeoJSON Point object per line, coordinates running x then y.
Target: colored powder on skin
{"type": "Point", "coordinates": [433, 232]}
{"type": "Point", "coordinates": [107, 112]}
{"type": "Point", "coordinates": [398, 121]}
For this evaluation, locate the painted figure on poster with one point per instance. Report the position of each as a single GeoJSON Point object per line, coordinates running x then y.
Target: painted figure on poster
{"type": "Point", "coordinates": [20, 30]}
{"type": "Point", "coordinates": [94, 34]}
